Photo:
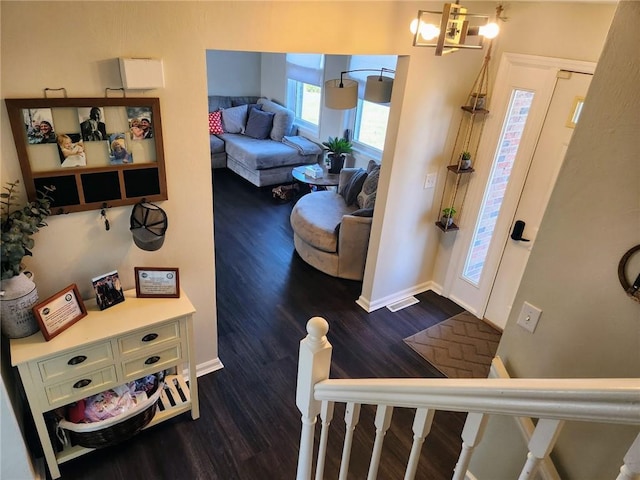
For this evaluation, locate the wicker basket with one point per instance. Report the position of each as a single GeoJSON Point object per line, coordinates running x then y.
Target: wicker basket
{"type": "Point", "coordinates": [113, 430]}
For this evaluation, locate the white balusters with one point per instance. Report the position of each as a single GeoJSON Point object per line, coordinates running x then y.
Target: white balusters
{"type": "Point", "coordinates": [631, 468]}
{"type": "Point", "coordinates": [540, 446]}
{"type": "Point", "coordinates": [326, 415]}
{"type": "Point", "coordinates": [351, 417]}
{"type": "Point", "coordinates": [314, 362]}
{"type": "Point", "coordinates": [550, 400]}
{"type": "Point", "coordinates": [382, 423]}
{"type": "Point", "coordinates": [471, 435]}
{"type": "Point", "coordinates": [421, 428]}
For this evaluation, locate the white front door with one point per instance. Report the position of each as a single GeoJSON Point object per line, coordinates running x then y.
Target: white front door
{"type": "Point", "coordinates": [520, 156]}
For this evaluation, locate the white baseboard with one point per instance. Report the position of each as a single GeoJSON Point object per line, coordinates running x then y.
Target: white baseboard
{"type": "Point", "coordinates": [205, 368]}
{"type": "Point", "coordinates": [369, 306]}
{"type": "Point", "coordinates": [464, 305]}
{"type": "Point", "coordinates": [209, 367]}
{"type": "Point", "coordinates": [437, 288]}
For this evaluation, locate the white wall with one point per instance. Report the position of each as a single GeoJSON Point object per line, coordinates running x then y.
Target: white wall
{"type": "Point", "coordinates": [233, 73]}
{"type": "Point", "coordinates": [589, 327]}
{"type": "Point", "coordinates": [273, 80]}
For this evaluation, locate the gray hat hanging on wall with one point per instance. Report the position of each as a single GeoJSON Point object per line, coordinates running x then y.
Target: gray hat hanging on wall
{"type": "Point", "coordinates": [148, 225]}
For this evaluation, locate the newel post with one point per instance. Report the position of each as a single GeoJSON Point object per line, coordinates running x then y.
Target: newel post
{"type": "Point", "coordinates": [314, 362]}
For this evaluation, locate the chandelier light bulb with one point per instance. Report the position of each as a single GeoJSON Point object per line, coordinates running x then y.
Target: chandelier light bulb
{"type": "Point", "coordinates": [429, 31]}
{"type": "Point", "coordinates": [414, 26]}
{"type": "Point", "coordinates": [490, 30]}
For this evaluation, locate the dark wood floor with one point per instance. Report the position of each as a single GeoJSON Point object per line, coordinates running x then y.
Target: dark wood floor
{"type": "Point", "coordinates": [249, 426]}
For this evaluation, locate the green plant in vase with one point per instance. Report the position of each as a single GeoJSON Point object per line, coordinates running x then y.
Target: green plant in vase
{"type": "Point", "coordinates": [17, 225]}
{"type": "Point", "coordinates": [447, 216]}
{"type": "Point", "coordinates": [337, 148]}
{"type": "Point", "coordinates": [465, 160]}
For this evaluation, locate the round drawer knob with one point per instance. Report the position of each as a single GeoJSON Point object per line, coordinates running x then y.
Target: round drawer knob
{"type": "Point", "coordinates": [149, 337]}
{"type": "Point", "coordinates": [77, 360]}
{"type": "Point", "coordinates": [152, 360]}
{"type": "Point", "coordinates": [82, 383]}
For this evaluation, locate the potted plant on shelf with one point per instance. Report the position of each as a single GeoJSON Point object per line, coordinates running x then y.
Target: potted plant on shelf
{"type": "Point", "coordinates": [337, 148]}
{"type": "Point", "coordinates": [17, 226]}
{"type": "Point", "coordinates": [465, 160]}
{"type": "Point", "coordinates": [447, 217]}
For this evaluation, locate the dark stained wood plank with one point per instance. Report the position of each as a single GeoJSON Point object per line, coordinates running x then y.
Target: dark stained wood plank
{"type": "Point", "coordinates": [249, 426]}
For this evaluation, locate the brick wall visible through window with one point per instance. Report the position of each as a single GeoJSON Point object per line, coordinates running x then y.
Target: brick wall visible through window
{"type": "Point", "coordinates": [496, 187]}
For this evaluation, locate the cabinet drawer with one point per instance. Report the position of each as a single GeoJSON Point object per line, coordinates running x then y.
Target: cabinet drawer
{"type": "Point", "coordinates": [71, 363]}
{"type": "Point", "coordinates": [81, 386]}
{"type": "Point", "coordinates": [152, 362]}
{"type": "Point", "coordinates": [149, 337]}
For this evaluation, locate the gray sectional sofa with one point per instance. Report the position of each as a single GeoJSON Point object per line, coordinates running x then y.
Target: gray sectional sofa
{"type": "Point", "coordinates": [262, 161]}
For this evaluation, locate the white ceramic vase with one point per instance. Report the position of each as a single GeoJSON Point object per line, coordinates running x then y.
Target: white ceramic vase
{"type": "Point", "coordinates": [18, 296]}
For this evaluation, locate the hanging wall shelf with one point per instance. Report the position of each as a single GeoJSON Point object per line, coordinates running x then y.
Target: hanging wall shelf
{"type": "Point", "coordinates": [465, 150]}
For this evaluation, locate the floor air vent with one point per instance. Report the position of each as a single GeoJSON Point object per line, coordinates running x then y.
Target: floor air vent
{"type": "Point", "coordinates": [404, 303]}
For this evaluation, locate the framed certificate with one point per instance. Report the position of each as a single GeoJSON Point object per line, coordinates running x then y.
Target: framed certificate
{"type": "Point", "coordinates": [157, 282]}
{"type": "Point", "coordinates": [60, 311]}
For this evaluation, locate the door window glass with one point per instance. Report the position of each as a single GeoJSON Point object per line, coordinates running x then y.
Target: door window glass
{"type": "Point", "coordinates": [505, 156]}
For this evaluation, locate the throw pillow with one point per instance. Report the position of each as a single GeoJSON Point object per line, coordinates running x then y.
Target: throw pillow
{"type": "Point", "coordinates": [234, 119]}
{"type": "Point", "coordinates": [259, 124]}
{"type": "Point", "coordinates": [354, 185]}
{"type": "Point", "coordinates": [251, 106]}
{"type": "Point", "coordinates": [367, 196]}
{"type": "Point", "coordinates": [282, 121]}
{"type": "Point", "coordinates": [215, 123]}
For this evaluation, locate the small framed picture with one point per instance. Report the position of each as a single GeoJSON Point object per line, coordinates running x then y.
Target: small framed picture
{"type": "Point", "coordinates": [157, 282]}
{"type": "Point", "coordinates": [108, 290]}
{"type": "Point", "coordinates": [60, 311]}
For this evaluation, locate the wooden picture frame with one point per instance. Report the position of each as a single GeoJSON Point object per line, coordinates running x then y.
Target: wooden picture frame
{"type": "Point", "coordinates": [157, 282]}
{"type": "Point", "coordinates": [59, 311]}
{"type": "Point", "coordinates": [96, 152]}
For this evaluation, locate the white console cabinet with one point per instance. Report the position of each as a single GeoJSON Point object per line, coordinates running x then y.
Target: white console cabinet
{"type": "Point", "coordinates": [137, 337]}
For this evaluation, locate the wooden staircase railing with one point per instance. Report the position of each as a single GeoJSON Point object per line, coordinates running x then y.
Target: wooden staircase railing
{"type": "Point", "coordinates": [552, 401]}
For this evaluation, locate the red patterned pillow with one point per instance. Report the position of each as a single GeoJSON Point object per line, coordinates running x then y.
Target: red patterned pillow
{"type": "Point", "coordinates": [215, 123]}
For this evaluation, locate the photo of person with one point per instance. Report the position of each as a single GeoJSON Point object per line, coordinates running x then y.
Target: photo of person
{"type": "Point", "coordinates": [118, 153]}
{"type": "Point", "coordinates": [92, 127]}
{"type": "Point", "coordinates": [135, 132]}
{"type": "Point", "coordinates": [38, 123]}
{"type": "Point", "coordinates": [108, 290]}
{"type": "Point", "coordinates": [71, 151]}
{"type": "Point", "coordinates": [147, 129]}
{"type": "Point", "coordinates": [140, 123]}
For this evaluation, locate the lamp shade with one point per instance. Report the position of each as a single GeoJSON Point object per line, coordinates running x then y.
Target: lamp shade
{"type": "Point", "coordinates": [378, 89]}
{"type": "Point", "coordinates": [340, 98]}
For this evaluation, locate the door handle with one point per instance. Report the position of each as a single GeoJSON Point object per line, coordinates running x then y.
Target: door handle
{"type": "Point", "coordinates": [516, 233]}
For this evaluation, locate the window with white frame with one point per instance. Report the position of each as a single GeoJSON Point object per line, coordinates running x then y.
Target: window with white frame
{"type": "Point", "coordinates": [304, 91]}
{"type": "Point", "coordinates": [370, 119]}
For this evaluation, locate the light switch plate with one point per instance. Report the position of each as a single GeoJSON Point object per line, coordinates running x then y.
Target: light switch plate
{"type": "Point", "coordinates": [430, 181]}
{"type": "Point", "coordinates": [529, 316]}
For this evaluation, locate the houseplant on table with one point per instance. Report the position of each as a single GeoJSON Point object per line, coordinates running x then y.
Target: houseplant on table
{"type": "Point", "coordinates": [338, 148]}
{"type": "Point", "coordinates": [18, 292]}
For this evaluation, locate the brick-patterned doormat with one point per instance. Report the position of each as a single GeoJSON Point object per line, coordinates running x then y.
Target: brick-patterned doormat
{"type": "Point", "coordinates": [460, 347]}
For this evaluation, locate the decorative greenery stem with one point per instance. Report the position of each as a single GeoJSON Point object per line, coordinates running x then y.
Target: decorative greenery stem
{"type": "Point", "coordinates": [18, 225]}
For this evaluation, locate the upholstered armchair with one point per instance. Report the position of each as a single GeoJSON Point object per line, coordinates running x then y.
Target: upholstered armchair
{"type": "Point", "coordinates": [332, 228]}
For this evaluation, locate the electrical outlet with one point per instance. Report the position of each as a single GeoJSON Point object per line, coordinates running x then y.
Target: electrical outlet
{"type": "Point", "coordinates": [529, 316]}
{"type": "Point", "coordinates": [430, 181]}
